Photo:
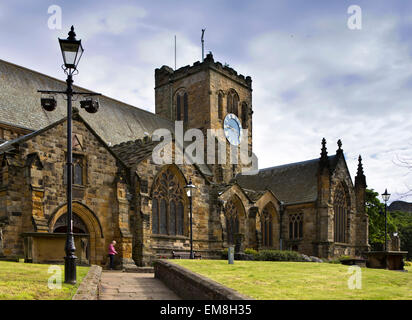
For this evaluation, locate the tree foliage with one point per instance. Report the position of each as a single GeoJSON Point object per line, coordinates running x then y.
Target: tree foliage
{"type": "Point", "coordinates": [400, 222]}
{"type": "Point", "coordinates": [376, 212]}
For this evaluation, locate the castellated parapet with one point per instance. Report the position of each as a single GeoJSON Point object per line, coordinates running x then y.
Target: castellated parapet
{"type": "Point", "coordinates": [165, 74]}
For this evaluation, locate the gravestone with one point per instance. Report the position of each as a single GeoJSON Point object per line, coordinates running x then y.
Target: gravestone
{"type": "Point", "coordinates": [231, 254]}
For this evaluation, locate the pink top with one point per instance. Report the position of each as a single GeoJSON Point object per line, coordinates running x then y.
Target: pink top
{"type": "Point", "coordinates": [111, 249]}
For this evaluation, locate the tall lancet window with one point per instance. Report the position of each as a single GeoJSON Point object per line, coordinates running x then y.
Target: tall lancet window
{"type": "Point", "coordinates": [340, 209]}
{"type": "Point", "coordinates": [185, 108]}
{"type": "Point", "coordinates": [220, 106]}
{"type": "Point", "coordinates": [267, 228]}
{"type": "Point", "coordinates": [245, 114]}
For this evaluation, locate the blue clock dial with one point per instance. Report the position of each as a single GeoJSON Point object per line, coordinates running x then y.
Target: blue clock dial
{"type": "Point", "coordinates": [233, 129]}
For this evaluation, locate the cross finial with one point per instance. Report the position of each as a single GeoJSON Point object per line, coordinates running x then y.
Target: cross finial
{"type": "Point", "coordinates": [340, 144]}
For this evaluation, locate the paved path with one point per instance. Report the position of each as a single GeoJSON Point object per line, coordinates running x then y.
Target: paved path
{"type": "Point", "coordinates": [115, 285]}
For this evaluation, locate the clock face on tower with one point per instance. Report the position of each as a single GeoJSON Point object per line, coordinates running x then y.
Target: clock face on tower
{"type": "Point", "coordinates": [233, 129]}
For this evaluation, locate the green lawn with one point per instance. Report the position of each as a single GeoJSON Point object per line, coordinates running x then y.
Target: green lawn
{"type": "Point", "coordinates": [265, 280]}
{"type": "Point", "coordinates": [28, 281]}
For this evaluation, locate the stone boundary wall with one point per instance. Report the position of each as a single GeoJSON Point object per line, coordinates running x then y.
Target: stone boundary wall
{"type": "Point", "coordinates": [192, 286]}
{"type": "Point", "coordinates": [89, 288]}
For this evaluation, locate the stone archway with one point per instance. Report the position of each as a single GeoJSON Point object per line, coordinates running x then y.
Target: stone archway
{"type": "Point", "coordinates": [90, 223]}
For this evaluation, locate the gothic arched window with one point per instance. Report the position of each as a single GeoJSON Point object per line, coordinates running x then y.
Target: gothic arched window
{"type": "Point", "coordinates": [296, 226]}
{"type": "Point", "coordinates": [340, 209]}
{"type": "Point", "coordinates": [267, 228]}
{"type": "Point", "coordinates": [233, 102]}
{"type": "Point", "coordinates": [168, 205]}
{"type": "Point", "coordinates": [232, 222]}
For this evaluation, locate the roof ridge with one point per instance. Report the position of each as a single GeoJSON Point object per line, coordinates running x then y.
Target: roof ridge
{"type": "Point", "coordinates": [294, 163]}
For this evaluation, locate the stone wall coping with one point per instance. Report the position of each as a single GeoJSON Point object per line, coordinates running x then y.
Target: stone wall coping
{"type": "Point", "coordinates": [387, 253]}
{"type": "Point", "coordinates": [193, 286]}
{"type": "Point", "coordinates": [89, 288]}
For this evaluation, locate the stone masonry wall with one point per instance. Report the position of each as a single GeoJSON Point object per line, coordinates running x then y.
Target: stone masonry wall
{"type": "Point", "coordinates": [98, 194]}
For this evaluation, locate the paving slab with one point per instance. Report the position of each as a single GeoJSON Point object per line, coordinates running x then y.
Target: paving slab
{"type": "Point", "coordinates": [115, 285]}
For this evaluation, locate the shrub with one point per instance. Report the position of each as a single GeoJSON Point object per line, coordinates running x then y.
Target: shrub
{"type": "Point", "coordinates": [251, 251]}
{"type": "Point", "coordinates": [278, 255]}
{"type": "Point", "coordinates": [224, 253]}
{"type": "Point", "coordinates": [339, 259]}
{"type": "Point", "coordinates": [408, 263]}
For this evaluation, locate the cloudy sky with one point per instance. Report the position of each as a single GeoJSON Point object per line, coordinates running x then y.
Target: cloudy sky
{"type": "Point", "coordinates": [313, 76]}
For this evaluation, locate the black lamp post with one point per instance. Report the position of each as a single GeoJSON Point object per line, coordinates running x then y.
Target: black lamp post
{"type": "Point", "coordinates": [385, 197]}
{"type": "Point", "coordinates": [189, 191]}
{"type": "Point", "coordinates": [72, 51]}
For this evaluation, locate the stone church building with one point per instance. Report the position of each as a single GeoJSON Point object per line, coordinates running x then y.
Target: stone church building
{"type": "Point", "coordinates": [120, 193]}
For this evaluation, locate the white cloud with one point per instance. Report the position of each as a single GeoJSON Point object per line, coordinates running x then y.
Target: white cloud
{"type": "Point", "coordinates": [112, 19]}
{"type": "Point", "coordinates": [337, 84]}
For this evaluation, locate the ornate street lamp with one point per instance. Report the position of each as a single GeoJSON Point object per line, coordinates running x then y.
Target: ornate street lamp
{"type": "Point", "coordinates": [189, 191]}
{"type": "Point", "coordinates": [385, 197]}
{"type": "Point", "coordinates": [72, 51]}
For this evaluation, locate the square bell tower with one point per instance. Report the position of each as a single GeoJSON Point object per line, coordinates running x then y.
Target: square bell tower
{"type": "Point", "coordinates": [201, 96]}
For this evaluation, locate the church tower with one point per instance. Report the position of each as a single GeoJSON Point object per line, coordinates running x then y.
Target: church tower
{"type": "Point", "coordinates": [203, 96]}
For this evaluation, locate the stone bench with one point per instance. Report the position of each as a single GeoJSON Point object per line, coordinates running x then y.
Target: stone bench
{"type": "Point", "coordinates": [354, 261]}
{"type": "Point", "coordinates": [185, 255]}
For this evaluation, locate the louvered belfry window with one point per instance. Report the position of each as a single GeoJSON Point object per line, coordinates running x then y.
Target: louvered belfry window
{"type": "Point", "coordinates": [220, 106]}
{"type": "Point", "coordinates": [182, 107]}
{"type": "Point", "coordinates": [233, 102]}
{"type": "Point", "coordinates": [245, 115]}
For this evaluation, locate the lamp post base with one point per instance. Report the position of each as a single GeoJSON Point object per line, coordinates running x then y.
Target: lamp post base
{"type": "Point", "coordinates": [70, 270]}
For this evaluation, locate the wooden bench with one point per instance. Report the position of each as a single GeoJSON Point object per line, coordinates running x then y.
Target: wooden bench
{"type": "Point", "coordinates": [185, 255]}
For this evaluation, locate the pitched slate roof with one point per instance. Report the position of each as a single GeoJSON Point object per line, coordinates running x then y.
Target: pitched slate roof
{"type": "Point", "coordinates": [115, 122]}
{"type": "Point", "coordinates": [132, 152]}
{"type": "Point", "coordinates": [291, 183]}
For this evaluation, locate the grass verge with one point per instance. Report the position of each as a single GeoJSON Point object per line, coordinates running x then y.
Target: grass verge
{"type": "Point", "coordinates": [267, 280]}
{"type": "Point", "coordinates": [28, 281]}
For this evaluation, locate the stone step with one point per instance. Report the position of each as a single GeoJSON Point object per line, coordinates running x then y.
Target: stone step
{"type": "Point", "coordinates": [139, 270]}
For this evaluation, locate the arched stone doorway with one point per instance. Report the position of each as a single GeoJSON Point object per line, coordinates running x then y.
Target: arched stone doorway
{"type": "Point", "coordinates": [84, 222]}
{"type": "Point", "coordinates": [79, 227]}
